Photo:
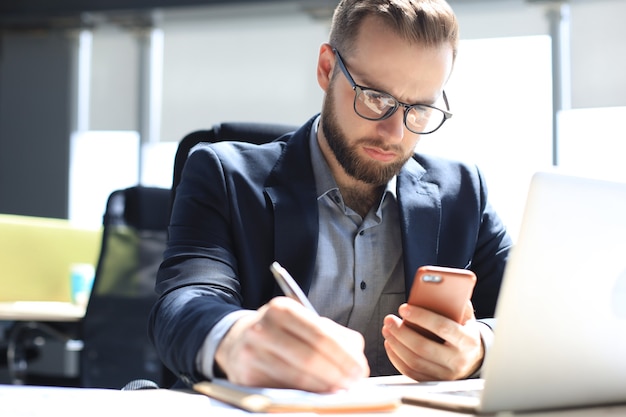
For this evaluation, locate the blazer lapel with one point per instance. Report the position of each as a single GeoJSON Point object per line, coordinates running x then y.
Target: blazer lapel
{"type": "Point", "coordinates": [291, 189]}
{"type": "Point", "coordinates": [420, 217]}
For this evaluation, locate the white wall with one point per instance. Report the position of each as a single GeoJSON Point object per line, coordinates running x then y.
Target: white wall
{"type": "Point", "coordinates": [598, 53]}
{"type": "Point", "coordinates": [254, 65]}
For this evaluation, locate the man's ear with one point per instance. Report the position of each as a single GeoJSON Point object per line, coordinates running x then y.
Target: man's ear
{"type": "Point", "coordinates": [325, 65]}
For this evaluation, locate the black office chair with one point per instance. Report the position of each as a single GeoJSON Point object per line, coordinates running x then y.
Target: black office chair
{"type": "Point", "coordinates": [114, 331]}
{"type": "Point", "coordinates": [110, 345]}
{"type": "Point", "coordinates": [236, 131]}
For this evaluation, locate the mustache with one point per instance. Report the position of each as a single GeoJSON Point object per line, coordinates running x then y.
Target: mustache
{"type": "Point", "coordinates": [377, 143]}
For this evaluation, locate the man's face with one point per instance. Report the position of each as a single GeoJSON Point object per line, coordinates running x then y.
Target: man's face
{"type": "Point", "coordinates": [374, 151]}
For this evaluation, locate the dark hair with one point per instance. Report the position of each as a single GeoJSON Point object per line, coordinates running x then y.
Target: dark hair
{"type": "Point", "coordinates": [427, 22]}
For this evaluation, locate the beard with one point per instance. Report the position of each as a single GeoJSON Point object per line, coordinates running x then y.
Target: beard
{"type": "Point", "coordinates": [365, 170]}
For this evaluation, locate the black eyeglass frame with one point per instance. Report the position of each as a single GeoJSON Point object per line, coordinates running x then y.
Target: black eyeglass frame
{"type": "Point", "coordinates": [358, 89]}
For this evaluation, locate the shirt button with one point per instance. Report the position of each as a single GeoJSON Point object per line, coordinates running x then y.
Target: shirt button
{"type": "Point", "coordinates": [362, 232]}
{"type": "Point", "coordinates": [363, 285]}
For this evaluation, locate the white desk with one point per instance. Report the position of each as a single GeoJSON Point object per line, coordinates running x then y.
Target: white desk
{"type": "Point", "coordinates": [35, 401]}
{"type": "Point", "coordinates": [41, 311]}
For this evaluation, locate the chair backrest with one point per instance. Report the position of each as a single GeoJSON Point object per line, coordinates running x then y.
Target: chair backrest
{"type": "Point", "coordinates": [114, 332]}
{"type": "Point", "coordinates": [237, 131]}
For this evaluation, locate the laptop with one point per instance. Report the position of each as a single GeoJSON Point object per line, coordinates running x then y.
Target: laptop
{"type": "Point", "coordinates": [560, 340]}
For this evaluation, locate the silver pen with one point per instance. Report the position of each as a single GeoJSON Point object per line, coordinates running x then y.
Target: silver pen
{"type": "Point", "coordinates": [290, 286]}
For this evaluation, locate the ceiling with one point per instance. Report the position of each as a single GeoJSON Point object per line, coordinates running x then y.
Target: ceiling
{"type": "Point", "coordinates": [28, 14]}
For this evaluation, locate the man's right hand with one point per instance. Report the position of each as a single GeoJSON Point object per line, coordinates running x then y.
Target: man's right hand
{"type": "Point", "coordinates": [284, 345]}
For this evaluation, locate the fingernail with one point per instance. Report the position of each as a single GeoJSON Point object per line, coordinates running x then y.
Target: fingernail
{"type": "Point", "coordinates": [404, 311]}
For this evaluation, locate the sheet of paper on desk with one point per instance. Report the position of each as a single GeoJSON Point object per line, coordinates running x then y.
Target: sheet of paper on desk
{"type": "Point", "coordinates": [362, 398]}
{"type": "Point", "coordinates": [36, 401]}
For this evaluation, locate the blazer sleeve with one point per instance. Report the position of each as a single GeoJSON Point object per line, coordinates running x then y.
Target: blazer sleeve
{"type": "Point", "coordinates": [198, 282]}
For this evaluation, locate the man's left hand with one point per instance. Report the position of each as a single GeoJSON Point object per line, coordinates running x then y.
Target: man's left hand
{"type": "Point", "coordinates": [423, 359]}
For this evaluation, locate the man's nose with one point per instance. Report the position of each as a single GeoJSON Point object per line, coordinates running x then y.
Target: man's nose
{"type": "Point", "coordinates": [392, 129]}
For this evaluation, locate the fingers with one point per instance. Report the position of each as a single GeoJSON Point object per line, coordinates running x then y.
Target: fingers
{"type": "Point", "coordinates": [285, 345]}
{"type": "Point", "coordinates": [343, 347]}
{"type": "Point", "coordinates": [265, 365]}
{"type": "Point", "coordinates": [423, 359]}
{"type": "Point", "coordinates": [312, 345]}
{"type": "Point", "coordinates": [439, 325]}
{"type": "Point", "coordinates": [410, 352]}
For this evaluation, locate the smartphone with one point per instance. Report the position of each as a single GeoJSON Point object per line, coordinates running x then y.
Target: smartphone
{"type": "Point", "coordinates": [442, 290]}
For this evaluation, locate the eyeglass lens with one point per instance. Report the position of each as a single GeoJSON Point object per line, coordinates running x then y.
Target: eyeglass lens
{"type": "Point", "coordinates": [376, 105]}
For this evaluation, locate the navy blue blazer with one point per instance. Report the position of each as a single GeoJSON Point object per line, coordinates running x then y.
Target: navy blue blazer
{"type": "Point", "coordinates": [240, 206]}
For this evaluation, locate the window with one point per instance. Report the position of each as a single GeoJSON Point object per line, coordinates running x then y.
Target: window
{"type": "Point", "coordinates": [501, 95]}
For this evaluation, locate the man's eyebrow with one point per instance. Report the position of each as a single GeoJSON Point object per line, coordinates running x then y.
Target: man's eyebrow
{"type": "Point", "coordinates": [428, 101]}
{"type": "Point", "coordinates": [373, 86]}
{"type": "Point", "coordinates": [363, 81]}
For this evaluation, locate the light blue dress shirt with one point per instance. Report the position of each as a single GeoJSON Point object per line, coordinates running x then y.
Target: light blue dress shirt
{"type": "Point", "coordinates": [359, 273]}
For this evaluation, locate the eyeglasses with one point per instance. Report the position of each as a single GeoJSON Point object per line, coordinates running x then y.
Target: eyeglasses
{"type": "Point", "coordinates": [375, 105]}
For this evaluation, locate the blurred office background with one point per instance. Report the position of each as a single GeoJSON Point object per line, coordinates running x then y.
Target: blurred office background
{"type": "Point", "coordinates": [95, 101]}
